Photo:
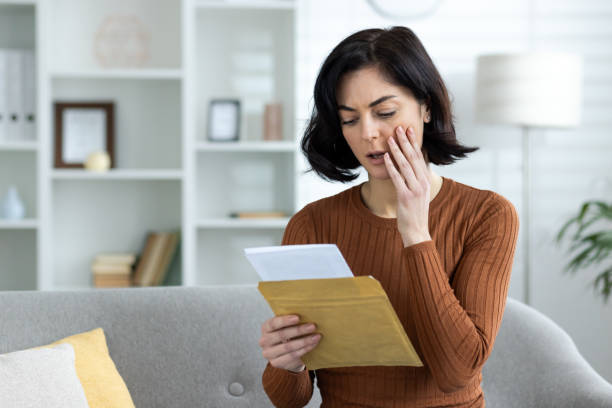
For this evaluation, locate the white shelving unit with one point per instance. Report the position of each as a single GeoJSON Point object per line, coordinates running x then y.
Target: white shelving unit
{"type": "Point", "coordinates": [20, 241]}
{"type": "Point", "coordinates": [166, 174]}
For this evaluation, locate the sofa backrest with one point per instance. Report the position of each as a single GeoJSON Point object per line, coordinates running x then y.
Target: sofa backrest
{"type": "Point", "coordinates": [198, 346]}
{"type": "Point", "coordinates": [174, 347]}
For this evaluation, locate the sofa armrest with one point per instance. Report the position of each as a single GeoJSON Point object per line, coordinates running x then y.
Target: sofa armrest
{"type": "Point", "coordinates": [535, 363]}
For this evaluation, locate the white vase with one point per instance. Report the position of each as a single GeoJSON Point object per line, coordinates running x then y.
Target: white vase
{"type": "Point", "coordinates": [12, 206]}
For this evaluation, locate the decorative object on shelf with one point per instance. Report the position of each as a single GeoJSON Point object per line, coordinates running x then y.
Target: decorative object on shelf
{"type": "Point", "coordinates": [273, 122]}
{"type": "Point", "coordinates": [530, 90]}
{"type": "Point", "coordinates": [592, 247]}
{"type": "Point", "coordinates": [224, 120]}
{"type": "Point", "coordinates": [258, 214]}
{"type": "Point", "coordinates": [98, 162]}
{"type": "Point", "coordinates": [403, 10]}
{"type": "Point", "coordinates": [82, 128]}
{"type": "Point", "coordinates": [122, 41]}
{"type": "Point", "coordinates": [12, 206]}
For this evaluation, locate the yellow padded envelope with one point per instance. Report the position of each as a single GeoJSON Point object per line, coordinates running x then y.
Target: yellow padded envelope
{"type": "Point", "coordinates": [359, 326]}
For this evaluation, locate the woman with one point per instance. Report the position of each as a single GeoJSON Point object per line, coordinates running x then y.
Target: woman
{"type": "Point", "coordinates": [442, 250]}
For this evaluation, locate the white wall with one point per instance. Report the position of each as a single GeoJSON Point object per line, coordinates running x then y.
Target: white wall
{"type": "Point", "coordinates": [569, 166]}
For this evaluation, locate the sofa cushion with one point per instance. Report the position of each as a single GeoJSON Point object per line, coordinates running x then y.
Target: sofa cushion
{"type": "Point", "coordinates": [103, 385]}
{"type": "Point", "coordinates": [42, 377]}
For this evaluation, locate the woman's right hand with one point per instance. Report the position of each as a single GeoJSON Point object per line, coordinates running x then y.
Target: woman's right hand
{"type": "Point", "coordinates": [283, 342]}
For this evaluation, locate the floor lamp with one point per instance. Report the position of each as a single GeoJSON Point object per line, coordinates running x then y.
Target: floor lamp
{"type": "Point", "coordinates": [531, 90]}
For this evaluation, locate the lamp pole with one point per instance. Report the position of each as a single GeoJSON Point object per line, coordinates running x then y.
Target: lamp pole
{"type": "Point", "coordinates": [526, 204]}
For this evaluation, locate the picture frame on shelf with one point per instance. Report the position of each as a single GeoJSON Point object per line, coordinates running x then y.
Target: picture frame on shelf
{"type": "Point", "coordinates": [82, 128]}
{"type": "Point", "coordinates": [224, 120]}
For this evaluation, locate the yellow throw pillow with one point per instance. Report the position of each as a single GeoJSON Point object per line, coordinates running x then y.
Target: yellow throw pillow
{"type": "Point", "coordinates": [103, 385]}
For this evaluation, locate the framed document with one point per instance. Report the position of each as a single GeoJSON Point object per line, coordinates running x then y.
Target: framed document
{"type": "Point", "coordinates": [224, 120]}
{"type": "Point", "coordinates": [82, 128]}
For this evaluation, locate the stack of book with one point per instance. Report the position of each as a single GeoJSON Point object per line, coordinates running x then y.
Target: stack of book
{"type": "Point", "coordinates": [113, 270]}
{"type": "Point", "coordinates": [156, 259]}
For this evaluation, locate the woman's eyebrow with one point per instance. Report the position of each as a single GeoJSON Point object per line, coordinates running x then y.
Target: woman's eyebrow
{"type": "Point", "coordinates": [376, 102]}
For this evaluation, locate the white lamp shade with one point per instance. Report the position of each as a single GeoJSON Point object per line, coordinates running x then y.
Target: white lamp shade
{"type": "Point", "coordinates": [534, 89]}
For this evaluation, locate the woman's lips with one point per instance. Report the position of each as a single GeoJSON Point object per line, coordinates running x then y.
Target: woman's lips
{"type": "Point", "coordinates": [378, 160]}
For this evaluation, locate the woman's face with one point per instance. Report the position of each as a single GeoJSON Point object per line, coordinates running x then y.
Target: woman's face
{"type": "Point", "coordinates": [370, 109]}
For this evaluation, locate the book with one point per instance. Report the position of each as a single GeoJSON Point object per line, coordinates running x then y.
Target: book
{"type": "Point", "coordinates": [173, 276]}
{"type": "Point", "coordinates": [99, 268]}
{"type": "Point", "coordinates": [112, 280]}
{"type": "Point", "coordinates": [145, 261]}
{"type": "Point", "coordinates": [258, 214]}
{"type": "Point", "coordinates": [100, 282]}
{"type": "Point", "coordinates": [168, 254]}
{"type": "Point", "coordinates": [148, 267]}
{"type": "Point", "coordinates": [127, 258]}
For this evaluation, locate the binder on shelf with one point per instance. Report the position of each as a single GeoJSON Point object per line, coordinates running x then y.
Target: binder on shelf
{"type": "Point", "coordinates": [14, 95]}
{"type": "Point", "coordinates": [3, 94]}
{"type": "Point", "coordinates": [29, 95]}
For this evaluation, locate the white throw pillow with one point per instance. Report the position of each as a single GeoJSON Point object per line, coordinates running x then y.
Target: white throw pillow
{"type": "Point", "coordinates": [44, 377]}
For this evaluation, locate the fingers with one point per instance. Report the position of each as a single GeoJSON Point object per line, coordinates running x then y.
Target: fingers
{"type": "Point", "coordinates": [286, 334]}
{"type": "Point", "coordinates": [409, 141]}
{"type": "Point", "coordinates": [403, 160]}
{"type": "Point", "coordinates": [278, 322]}
{"type": "Point", "coordinates": [396, 178]}
{"type": "Point", "coordinates": [411, 168]}
{"type": "Point", "coordinates": [284, 354]}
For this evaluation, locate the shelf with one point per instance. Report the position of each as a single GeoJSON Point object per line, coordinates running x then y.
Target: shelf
{"type": "Point", "coordinates": [17, 2]}
{"type": "Point", "coordinates": [242, 223]}
{"type": "Point", "coordinates": [246, 4]}
{"type": "Point", "coordinates": [27, 223]}
{"type": "Point", "coordinates": [26, 145]}
{"type": "Point", "coordinates": [71, 287]}
{"type": "Point", "coordinates": [272, 146]}
{"type": "Point", "coordinates": [114, 174]}
{"type": "Point", "coordinates": [137, 73]}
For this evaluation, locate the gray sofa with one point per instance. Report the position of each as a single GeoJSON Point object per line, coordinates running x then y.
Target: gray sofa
{"type": "Point", "coordinates": [197, 347]}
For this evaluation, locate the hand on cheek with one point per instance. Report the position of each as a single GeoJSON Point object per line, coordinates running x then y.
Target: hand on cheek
{"type": "Point", "coordinates": [409, 174]}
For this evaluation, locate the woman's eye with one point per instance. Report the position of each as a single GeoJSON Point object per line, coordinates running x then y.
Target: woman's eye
{"type": "Point", "coordinates": [386, 114]}
{"type": "Point", "coordinates": [348, 122]}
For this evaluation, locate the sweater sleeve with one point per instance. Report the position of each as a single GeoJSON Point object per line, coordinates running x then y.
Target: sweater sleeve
{"type": "Point", "coordinates": [284, 388]}
{"type": "Point", "coordinates": [456, 325]}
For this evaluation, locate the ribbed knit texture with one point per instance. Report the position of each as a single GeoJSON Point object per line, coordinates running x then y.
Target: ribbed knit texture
{"type": "Point", "coordinates": [449, 293]}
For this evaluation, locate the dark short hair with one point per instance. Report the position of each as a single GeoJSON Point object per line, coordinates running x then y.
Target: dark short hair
{"type": "Point", "coordinates": [402, 60]}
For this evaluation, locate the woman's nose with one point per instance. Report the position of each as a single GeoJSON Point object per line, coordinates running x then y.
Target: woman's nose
{"type": "Point", "coordinates": [369, 130]}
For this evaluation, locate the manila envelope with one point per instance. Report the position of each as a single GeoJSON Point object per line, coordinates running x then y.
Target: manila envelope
{"type": "Point", "coordinates": [358, 324]}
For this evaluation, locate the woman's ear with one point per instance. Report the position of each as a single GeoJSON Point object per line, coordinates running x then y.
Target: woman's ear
{"type": "Point", "coordinates": [425, 114]}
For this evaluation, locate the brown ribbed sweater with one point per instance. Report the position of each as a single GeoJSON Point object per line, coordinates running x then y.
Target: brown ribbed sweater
{"type": "Point", "coordinates": [449, 293]}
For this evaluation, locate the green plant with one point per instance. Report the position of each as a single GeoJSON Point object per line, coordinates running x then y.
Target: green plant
{"type": "Point", "coordinates": [594, 247]}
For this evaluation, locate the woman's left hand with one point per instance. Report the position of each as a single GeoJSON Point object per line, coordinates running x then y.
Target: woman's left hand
{"type": "Point", "coordinates": [412, 186]}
